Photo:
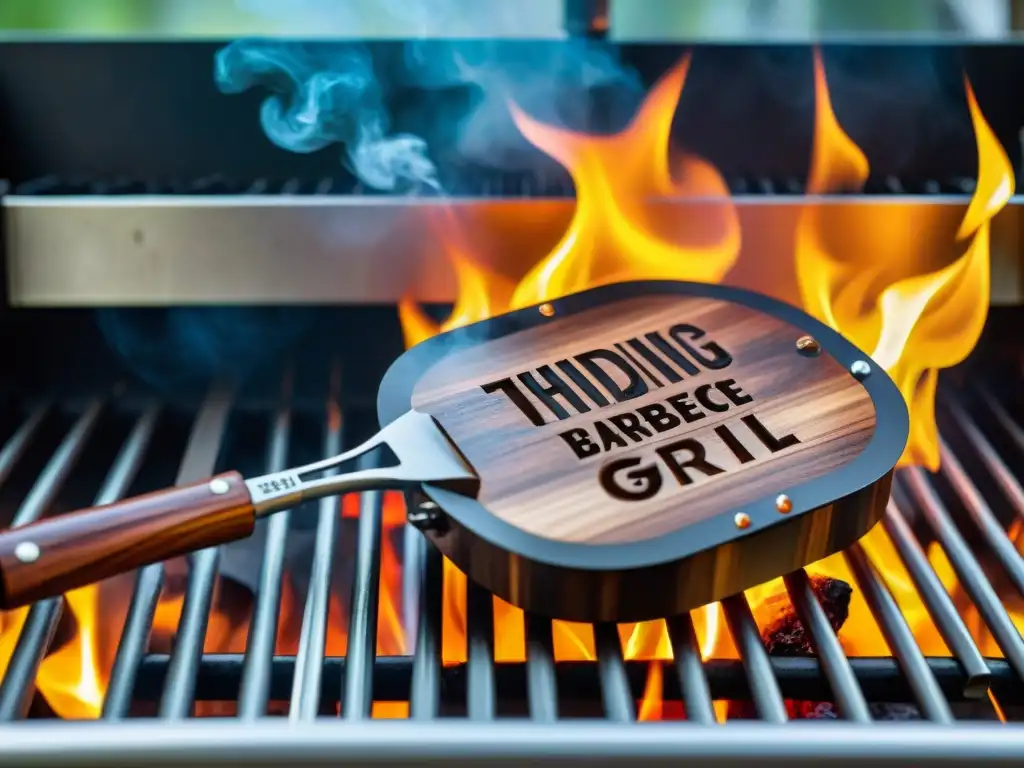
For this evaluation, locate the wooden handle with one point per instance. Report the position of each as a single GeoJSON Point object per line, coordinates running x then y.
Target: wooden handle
{"type": "Point", "coordinates": [49, 558]}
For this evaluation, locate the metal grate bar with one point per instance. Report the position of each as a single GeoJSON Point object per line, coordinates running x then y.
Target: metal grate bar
{"type": "Point", "coordinates": [899, 637]}
{"type": "Point", "coordinates": [257, 668]}
{"type": "Point", "coordinates": [541, 686]}
{"type": "Point", "coordinates": [425, 687]}
{"type": "Point", "coordinates": [57, 469]}
{"type": "Point", "coordinates": [764, 687]}
{"type": "Point", "coordinates": [939, 604]}
{"type": "Point", "coordinates": [357, 701]}
{"type": "Point", "coordinates": [848, 695]}
{"type": "Point", "coordinates": [197, 463]}
{"type": "Point", "coordinates": [1007, 422]}
{"type": "Point", "coordinates": [179, 693]}
{"type": "Point", "coordinates": [134, 639]}
{"type": "Point", "coordinates": [1005, 479]}
{"type": "Point", "coordinates": [450, 744]}
{"type": "Point", "coordinates": [692, 679]}
{"type": "Point", "coordinates": [969, 573]}
{"type": "Point", "coordinates": [15, 447]}
{"type": "Point", "coordinates": [480, 695]}
{"type": "Point", "coordinates": [800, 678]}
{"type": "Point", "coordinates": [305, 699]}
{"type": "Point", "coordinates": [992, 532]}
{"type": "Point", "coordinates": [34, 641]}
{"type": "Point", "coordinates": [18, 685]}
{"type": "Point", "coordinates": [412, 576]}
{"type": "Point", "coordinates": [615, 690]}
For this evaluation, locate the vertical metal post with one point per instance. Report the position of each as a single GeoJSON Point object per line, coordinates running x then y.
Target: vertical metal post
{"type": "Point", "coordinates": [586, 18]}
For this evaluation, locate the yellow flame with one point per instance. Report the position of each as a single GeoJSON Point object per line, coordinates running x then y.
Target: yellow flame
{"type": "Point", "coordinates": [69, 678]}
{"type": "Point", "coordinates": [615, 233]}
{"type": "Point", "coordinates": [915, 324]}
{"type": "Point", "coordinates": [858, 269]}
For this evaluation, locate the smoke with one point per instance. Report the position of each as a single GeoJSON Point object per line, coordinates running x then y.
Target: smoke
{"type": "Point", "coordinates": [343, 92]}
{"type": "Point", "coordinates": [182, 348]}
{"type": "Point", "coordinates": [326, 96]}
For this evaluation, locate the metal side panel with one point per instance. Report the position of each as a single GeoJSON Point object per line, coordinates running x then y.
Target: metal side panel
{"type": "Point", "coordinates": [251, 249]}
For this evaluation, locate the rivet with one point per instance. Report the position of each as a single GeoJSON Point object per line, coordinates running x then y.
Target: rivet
{"type": "Point", "coordinates": [548, 310]}
{"type": "Point", "coordinates": [783, 504]}
{"type": "Point", "coordinates": [742, 520]}
{"type": "Point", "coordinates": [428, 518]}
{"type": "Point", "coordinates": [808, 346]}
{"type": "Point", "coordinates": [27, 552]}
{"type": "Point", "coordinates": [219, 486]}
{"type": "Point", "coordinates": [860, 370]}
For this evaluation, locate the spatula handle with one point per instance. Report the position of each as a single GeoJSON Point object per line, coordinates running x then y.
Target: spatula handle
{"type": "Point", "coordinates": [53, 556]}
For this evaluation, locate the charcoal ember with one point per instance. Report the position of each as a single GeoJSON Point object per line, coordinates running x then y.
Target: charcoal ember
{"type": "Point", "coordinates": [826, 710]}
{"type": "Point", "coordinates": [812, 710]}
{"type": "Point", "coordinates": [895, 712]}
{"type": "Point", "coordinates": [784, 633]}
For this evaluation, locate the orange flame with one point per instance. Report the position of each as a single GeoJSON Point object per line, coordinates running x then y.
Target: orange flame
{"type": "Point", "coordinates": [861, 283]}
{"type": "Point", "coordinates": [858, 269]}
{"type": "Point", "coordinates": [615, 233]}
{"type": "Point", "coordinates": [70, 677]}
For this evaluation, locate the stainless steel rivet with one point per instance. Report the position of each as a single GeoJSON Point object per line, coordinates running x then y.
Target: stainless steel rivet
{"type": "Point", "coordinates": [548, 310]}
{"type": "Point", "coordinates": [742, 520]}
{"type": "Point", "coordinates": [27, 552]}
{"type": "Point", "coordinates": [219, 486]}
{"type": "Point", "coordinates": [860, 370]}
{"type": "Point", "coordinates": [783, 504]}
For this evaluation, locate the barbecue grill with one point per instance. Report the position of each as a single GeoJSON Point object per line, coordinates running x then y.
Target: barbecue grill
{"type": "Point", "coordinates": [160, 330]}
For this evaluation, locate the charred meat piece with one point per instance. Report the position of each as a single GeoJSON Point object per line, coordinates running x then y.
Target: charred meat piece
{"type": "Point", "coordinates": [784, 633]}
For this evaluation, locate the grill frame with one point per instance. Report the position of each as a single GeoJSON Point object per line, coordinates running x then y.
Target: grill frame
{"type": "Point", "coordinates": [218, 742]}
{"type": "Point", "coordinates": [174, 681]}
{"type": "Point", "coordinates": [279, 249]}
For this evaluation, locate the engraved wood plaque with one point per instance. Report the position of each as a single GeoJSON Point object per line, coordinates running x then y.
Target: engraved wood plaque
{"type": "Point", "coordinates": [649, 428]}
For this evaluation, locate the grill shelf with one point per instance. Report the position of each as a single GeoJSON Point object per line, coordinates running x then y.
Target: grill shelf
{"type": "Point", "coordinates": [951, 507]}
{"type": "Point", "coordinates": [553, 182]}
{"type": "Point", "coordinates": [218, 241]}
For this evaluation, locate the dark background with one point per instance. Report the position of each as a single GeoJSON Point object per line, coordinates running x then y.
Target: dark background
{"type": "Point", "coordinates": [151, 110]}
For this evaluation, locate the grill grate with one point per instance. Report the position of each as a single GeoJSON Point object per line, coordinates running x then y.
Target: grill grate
{"type": "Point", "coordinates": [553, 182]}
{"type": "Point", "coordinates": [956, 508]}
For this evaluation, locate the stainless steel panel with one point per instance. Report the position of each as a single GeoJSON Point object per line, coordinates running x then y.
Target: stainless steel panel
{"type": "Point", "coordinates": [163, 250]}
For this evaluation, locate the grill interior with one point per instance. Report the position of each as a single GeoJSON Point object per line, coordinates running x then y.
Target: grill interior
{"type": "Point", "coordinates": [310, 627]}
{"type": "Point", "coordinates": [100, 440]}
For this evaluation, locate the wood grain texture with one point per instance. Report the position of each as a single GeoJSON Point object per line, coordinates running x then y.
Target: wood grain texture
{"type": "Point", "coordinates": [531, 479]}
{"type": "Point", "coordinates": [83, 547]}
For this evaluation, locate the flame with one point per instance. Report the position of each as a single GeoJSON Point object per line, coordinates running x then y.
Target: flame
{"type": "Point", "coordinates": [859, 269]}
{"type": "Point", "coordinates": [651, 705]}
{"type": "Point", "coordinates": [70, 677]}
{"type": "Point", "coordinates": [858, 277]}
{"type": "Point", "coordinates": [615, 234]}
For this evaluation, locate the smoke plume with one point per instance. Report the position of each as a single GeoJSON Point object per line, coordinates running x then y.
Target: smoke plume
{"type": "Point", "coordinates": [341, 91]}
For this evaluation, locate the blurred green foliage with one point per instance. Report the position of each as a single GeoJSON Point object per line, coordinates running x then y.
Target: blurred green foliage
{"type": "Point", "coordinates": [77, 15]}
{"type": "Point", "coordinates": [638, 19]}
